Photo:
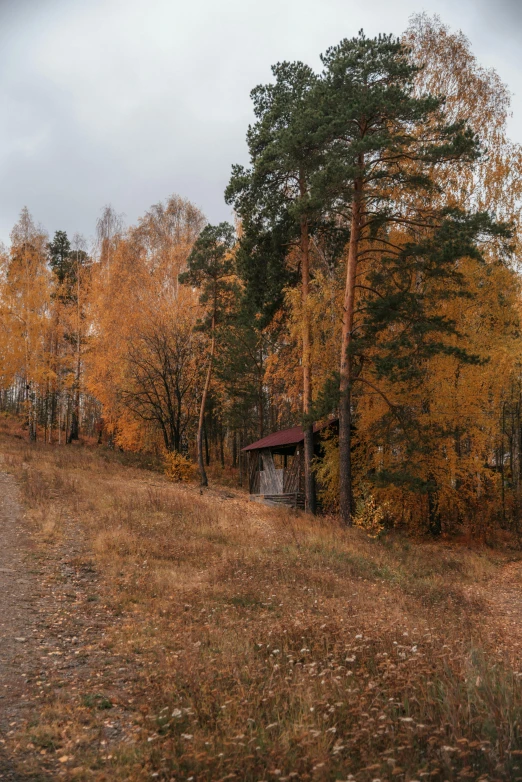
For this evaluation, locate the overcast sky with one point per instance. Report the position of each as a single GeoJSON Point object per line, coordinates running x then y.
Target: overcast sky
{"type": "Point", "coordinates": [128, 101]}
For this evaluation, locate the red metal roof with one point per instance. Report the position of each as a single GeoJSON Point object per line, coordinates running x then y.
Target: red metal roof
{"type": "Point", "coordinates": [291, 436]}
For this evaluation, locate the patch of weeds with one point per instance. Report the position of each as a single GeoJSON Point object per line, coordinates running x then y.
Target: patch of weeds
{"type": "Point", "coordinates": [452, 565]}
{"type": "Point", "coordinates": [143, 461]}
{"type": "Point", "coordinates": [216, 537]}
{"type": "Point", "coordinates": [97, 701]}
{"type": "Point", "coordinates": [434, 592]}
{"type": "Point", "coordinates": [45, 737]}
{"type": "Point", "coordinates": [246, 601]}
{"type": "Point", "coordinates": [356, 565]}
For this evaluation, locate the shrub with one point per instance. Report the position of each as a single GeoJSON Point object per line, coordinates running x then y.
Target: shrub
{"type": "Point", "coordinates": [326, 471]}
{"type": "Point", "coordinates": [177, 467]}
{"type": "Point", "coordinates": [370, 516]}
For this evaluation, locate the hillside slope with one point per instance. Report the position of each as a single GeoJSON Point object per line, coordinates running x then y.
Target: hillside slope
{"type": "Point", "coordinates": [171, 634]}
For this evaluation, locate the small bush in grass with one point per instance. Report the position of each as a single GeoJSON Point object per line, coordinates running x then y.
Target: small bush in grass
{"type": "Point", "coordinates": [177, 467]}
{"type": "Point", "coordinates": [97, 702]}
{"type": "Point", "coordinates": [370, 516]}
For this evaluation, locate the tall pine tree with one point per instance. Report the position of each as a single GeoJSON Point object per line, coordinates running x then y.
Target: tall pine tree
{"type": "Point", "coordinates": [210, 268]}
{"type": "Point", "coordinates": [383, 148]}
{"type": "Point", "coordinates": [278, 204]}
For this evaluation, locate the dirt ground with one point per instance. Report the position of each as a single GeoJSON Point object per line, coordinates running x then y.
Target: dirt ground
{"type": "Point", "coordinates": [18, 617]}
{"type": "Point", "coordinates": [51, 640]}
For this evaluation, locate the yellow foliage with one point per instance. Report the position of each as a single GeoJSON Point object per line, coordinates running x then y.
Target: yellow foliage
{"type": "Point", "coordinates": [371, 516]}
{"type": "Point", "coordinates": [177, 467]}
{"type": "Point", "coordinates": [145, 362]}
{"type": "Point", "coordinates": [327, 472]}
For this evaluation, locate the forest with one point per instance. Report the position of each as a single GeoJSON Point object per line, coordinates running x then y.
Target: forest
{"type": "Point", "coordinates": [371, 276]}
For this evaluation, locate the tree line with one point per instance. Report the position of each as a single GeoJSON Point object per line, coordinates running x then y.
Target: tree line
{"type": "Point", "coordinates": [371, 275]}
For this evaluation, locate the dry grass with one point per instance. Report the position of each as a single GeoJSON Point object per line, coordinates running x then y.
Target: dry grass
{"type": "Point", "coordinates": [262, 645]}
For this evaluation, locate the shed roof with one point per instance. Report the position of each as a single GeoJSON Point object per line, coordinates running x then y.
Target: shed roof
{"type": "Point", "coordinates": [291, 436]}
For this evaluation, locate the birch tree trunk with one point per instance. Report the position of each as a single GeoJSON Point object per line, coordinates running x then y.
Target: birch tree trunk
{"type": "Point", "coordinates": [75, 417]}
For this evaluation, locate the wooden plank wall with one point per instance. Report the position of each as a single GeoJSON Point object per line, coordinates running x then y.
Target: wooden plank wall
{"type": "Point", "coordinates": [291, 480]}
{"type": "Point", "coordinates": [265, 479]}
{"type": "Point", "coordinates": [253, 472]}
{"type": "Point", "coordinates": [271, 480]}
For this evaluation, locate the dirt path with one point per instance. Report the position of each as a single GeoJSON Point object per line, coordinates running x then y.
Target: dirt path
{"type": "Point", "coordinates": [17, 618]}
{"type": "Point", "coordinates": [53, 657]}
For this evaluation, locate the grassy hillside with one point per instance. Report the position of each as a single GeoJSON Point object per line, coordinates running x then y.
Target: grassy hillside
{"type": "Point", "coordinates": [200, 636]}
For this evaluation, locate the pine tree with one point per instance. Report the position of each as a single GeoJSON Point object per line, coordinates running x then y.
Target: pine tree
{"type": "Point", "coordinates": [278, 204]}
{"type": "Point", "coordinates": [383, 145]}
{"type": "Point", "coordinates": [60, 256]}
{"type": "Point", "coordinates": [210, 268]}
{"type": "Point", "coordinates": [71, 268]}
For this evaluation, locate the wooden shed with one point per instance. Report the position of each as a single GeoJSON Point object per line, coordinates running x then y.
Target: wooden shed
{"type": "Point", "coordinates": [276, 465]}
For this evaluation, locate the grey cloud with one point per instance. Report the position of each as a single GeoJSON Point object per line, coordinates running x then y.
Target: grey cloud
{"type": "Point", "coordinates": [127, 101]}
{"type": "Point", "coordinates": [491, 20]}
{"type": "Point", "coordinates": [506, 11]}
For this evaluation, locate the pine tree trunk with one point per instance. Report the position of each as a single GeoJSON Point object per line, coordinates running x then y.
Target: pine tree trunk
{"type": "Point", "coordinates": [519, 437]}
{"type": "Point", "coordinates": [502, 469]}
{"type": "Point", "coordinates": [308, 430]}
{"type": "Point", "coordinates": [345, 413]}
{"type": "Point", "coordinates": [261, 416]}
{"type": "Point", "coordinates": [221, 445]}
{"type": "Point", "coordinates": [201, 465]}
{"type": "Point", "coordinates": [234, 450]}
{"type": "Point", "coordinates": [241, 460]}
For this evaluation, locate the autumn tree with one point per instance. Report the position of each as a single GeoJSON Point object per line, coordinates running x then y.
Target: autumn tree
{"type": "Point", "coordinates": [109, 229]}
{"type": "Point", "coordinates": [477, 396]}
{"type": "Point", "coordinates": [166, 234]}
{"type": "Point", "coordinates": [143, 359]}
{"type": "Point", "coordinates": [25, 305]}
{"type": "Point", "coordinates": [162, 373]}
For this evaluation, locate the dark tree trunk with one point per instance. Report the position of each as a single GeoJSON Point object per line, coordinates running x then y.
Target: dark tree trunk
{"type": "Point", "coordinates": [241, 461]}
{"type": "Point", "coordinates": [345, 387]}
{"type": "Point", "coordinates": [309, 484]}
{"type": "Point", "coordinates": [222, 445]}
{"type": "Point", "coordinates": [234, 450]}
{"type": "Point", "coordinates": [202, 472]}
{"type": "Point", "coordinates": [75, 426]}
{"type": "Point", "coordinates": [434, 519]}
{"type": "Point", "coordinates": [207, 449]}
